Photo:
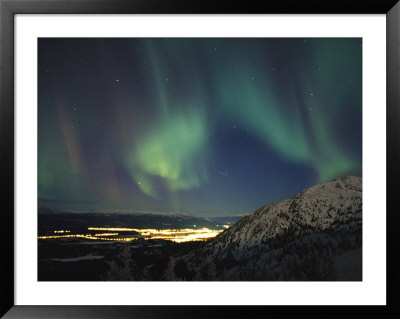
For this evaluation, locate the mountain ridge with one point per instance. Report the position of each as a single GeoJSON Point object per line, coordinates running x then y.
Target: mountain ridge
{"type": "Point", "coordinates": [330, 213]}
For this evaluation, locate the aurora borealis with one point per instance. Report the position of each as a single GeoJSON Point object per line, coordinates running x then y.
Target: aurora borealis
{"type": "Point", "coordinates": [209, 126]}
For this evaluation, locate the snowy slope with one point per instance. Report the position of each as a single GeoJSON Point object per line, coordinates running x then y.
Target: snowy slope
{"type": "Point", "coordinates": [329, 213]}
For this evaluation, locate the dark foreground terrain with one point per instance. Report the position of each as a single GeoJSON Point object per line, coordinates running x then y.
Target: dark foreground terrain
{"type": "Point", "coordinates": [314, 236]}
{"type": "Point", "coordinates": [92, 261]}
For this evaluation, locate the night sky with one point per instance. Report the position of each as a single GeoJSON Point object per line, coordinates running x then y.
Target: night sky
{"type": "Point", "coordinates": [210, 127]}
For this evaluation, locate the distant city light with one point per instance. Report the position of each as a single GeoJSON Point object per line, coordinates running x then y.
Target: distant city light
{"type": "Point", "coordinates": [111, 234]}
{"type": "Point", "coordinates": [61, 231]}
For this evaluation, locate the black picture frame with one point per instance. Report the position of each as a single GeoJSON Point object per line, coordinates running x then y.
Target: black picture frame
{"type": "Point", "coordinates": [8, 10]}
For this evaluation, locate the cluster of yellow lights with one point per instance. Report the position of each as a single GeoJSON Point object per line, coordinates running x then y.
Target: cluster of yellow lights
{"type": "Point", "coordinates": [61, 231]}
{"type": "Point", "coordinates": [176, 235]}
{"type": "Point", "coordinates": [88, 237]}
{"type": "Point", "coordinates": [114, 229]}
{"type": "Point", "coordinates": [106, 234]}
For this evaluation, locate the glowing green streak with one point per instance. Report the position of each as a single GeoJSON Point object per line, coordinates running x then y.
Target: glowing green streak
{"type": "Point", "coordinates": [252, 100]}
{"type": "Point", "coordinates": [329, 159]}
{"type": "Point", "coordinates": [158, 73]}
{"type": "Point", "coordinates": [339, 71]}
{"type": "Point", "coordinates": [259, 109]}
{"type": "Point", "coordinates": [171, 149]}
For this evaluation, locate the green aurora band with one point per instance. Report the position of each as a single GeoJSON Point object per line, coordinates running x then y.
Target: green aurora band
{"type": "Point", "coordinates": [290, 97]}
{"type": "Point", "coordinates": [173, 147]}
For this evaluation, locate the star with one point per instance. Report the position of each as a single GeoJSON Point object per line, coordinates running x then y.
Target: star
{"type": "Point", "coordinates": [176, 135]}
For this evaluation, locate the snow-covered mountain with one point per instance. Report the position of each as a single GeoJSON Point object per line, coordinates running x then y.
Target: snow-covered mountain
{"type": "Point", "coordinates": [306, 237]}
